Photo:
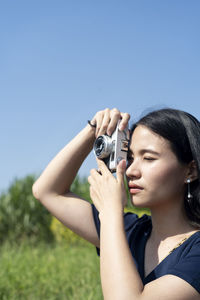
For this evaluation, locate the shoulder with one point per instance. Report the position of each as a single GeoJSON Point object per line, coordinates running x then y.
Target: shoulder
{"type": "Point", "coordinates": [170, 287]}
{"type": "Point", "coordinates": [178, 276]}
{"type": "Point", "coordinates": [188, 264]}
{"type": "Point", "coordinates": [190, 250]}
{"type": "Point", "coordinates": [133, 222]}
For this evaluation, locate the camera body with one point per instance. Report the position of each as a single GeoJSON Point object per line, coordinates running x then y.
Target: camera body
{"type": "Point", "coordinates": [112, 149]}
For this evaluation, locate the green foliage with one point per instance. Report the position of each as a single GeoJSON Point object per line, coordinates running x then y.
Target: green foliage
{"type": "Point", "coordinates": [49, 271]}
{"type": "Point", "coordinates": [80, 186]}
{"type": "Point", "coordinates": [21, 215]}
{"type": "Point", "coordinates": [62, 233]}
{"type": "Point", "coordinates": [137, 210]}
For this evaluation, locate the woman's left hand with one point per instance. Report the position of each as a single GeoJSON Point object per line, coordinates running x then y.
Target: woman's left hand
{"type": "Point", "coordinates": [107, 192]}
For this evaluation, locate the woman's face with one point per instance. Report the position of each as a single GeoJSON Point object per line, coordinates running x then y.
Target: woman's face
{"type": "Point", "coordinates": [155, 176]}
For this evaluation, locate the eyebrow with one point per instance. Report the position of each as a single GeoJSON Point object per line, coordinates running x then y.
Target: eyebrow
{"type": "Point", "coordinates": [142, 151]}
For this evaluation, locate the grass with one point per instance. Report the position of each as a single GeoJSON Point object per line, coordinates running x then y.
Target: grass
{"type": "Point", "coordinates": [53, 272]}
{"type": "Point", "coordinates": [57, 271]}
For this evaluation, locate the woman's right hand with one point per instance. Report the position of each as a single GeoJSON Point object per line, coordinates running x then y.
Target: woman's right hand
{"type": "Point", "coordinates": [106, 121]}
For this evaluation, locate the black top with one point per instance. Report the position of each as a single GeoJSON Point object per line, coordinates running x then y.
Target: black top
{"type": "Point", "coordinates": [183, 262]}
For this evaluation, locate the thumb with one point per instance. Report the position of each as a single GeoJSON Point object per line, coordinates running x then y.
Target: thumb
{"type": "Point", "coordinates": [121, 168]}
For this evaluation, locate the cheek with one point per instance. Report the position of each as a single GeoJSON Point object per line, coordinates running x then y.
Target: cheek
{"type": "Point", "coordinates": [164, 178]}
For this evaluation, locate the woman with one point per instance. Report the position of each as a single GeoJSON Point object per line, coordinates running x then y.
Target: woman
{"type": "Point", "coordinates": [155, 257]}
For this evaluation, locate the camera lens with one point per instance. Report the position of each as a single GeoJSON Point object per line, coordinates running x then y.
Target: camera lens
{"type": "Point", "coordinates": [103, 146]}
{"type": "Point", "coordinates": [99, 145]}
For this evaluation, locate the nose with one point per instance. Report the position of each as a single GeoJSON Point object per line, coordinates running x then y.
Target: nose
{"type": "Point", "coordinates": [133, 171]}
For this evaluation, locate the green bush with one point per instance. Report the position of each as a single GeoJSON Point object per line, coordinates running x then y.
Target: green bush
{"type": "Point", "coordinates": [21, 215]}
{"type": "Point", "coordinates": [80, 186]}
{"type": "Point", "coordinates": [62, 233]}
{"type": "Point", "coordinates": [137, 210]}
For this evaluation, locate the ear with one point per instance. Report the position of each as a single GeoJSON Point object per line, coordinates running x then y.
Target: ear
{"type": "Point", "coordinates": [192, 172]}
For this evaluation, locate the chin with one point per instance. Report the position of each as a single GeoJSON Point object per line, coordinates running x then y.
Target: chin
{"type": "Point", "coordinates": [139, 202]}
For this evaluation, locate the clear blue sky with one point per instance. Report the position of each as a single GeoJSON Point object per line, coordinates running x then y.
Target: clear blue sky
{"type": "Point", "coordinates": [61, 61]}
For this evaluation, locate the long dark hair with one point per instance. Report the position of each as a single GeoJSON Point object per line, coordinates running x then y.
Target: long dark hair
{"type": "Point", "coordinates": [182, 130]}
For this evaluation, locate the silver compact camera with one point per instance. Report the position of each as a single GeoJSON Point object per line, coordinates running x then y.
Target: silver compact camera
{"type": "Point", "coordinates": [112, 149]}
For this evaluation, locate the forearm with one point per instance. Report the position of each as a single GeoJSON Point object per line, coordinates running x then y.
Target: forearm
{"type": "Point", "coordinates": [61, 171]}
{"type": "Point", "coordinates": [119, 276]}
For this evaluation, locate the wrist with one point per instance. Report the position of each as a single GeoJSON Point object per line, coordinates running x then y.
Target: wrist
{"type": "Point", "coordinates": [90, 132]}
{"type": "Point", "coordinates": [110, 216]}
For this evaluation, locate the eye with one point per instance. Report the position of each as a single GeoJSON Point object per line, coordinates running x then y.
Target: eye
{"type": "Point", "coordinates": [149, 158]}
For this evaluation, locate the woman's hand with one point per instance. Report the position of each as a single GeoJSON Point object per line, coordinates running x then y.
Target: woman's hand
{"type": "Point", "coordinates": [107, 192]}
{"type": "Point", "coordinates": [106, 121]}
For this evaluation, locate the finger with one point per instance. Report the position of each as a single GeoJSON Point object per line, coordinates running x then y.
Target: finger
{"type": "Point", "coordinates": [121, 169]}
{"type": "Point", "coordinates": [90, 180]}
{"type": "Point", "coordinates": [125, 117]}
{"type": "Point", "coordinates": [105, 122]}
{"type": "Point", "coordinates": [94, 191]}
{"type": "Point", "coordinates": [94, 175]}
{"type": "Point", "coordinates": [94, 196]}
{"type": "Point", "coordinates": [103, 169]}
{"type": "Point", "coordinates": [115, 116]}
{"type": "Point", "coordinates": [99, 119]}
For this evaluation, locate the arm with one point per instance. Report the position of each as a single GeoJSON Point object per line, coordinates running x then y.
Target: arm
{"type": "Point", "coordinates": [119, 276]}
{"type": "Point", "coordinates": [61, 171]}
{"type": "Point", "coordinates": [53, 186]}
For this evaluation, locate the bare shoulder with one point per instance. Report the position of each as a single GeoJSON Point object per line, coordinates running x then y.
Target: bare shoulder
{"type": "Point", "coordinates": [169, 287]}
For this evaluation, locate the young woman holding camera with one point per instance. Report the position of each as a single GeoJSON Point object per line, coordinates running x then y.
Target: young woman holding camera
{"type": "Point", "coordinates": [152, 257]}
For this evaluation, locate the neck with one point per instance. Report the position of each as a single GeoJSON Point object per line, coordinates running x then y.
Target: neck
{"type": "Point", "coordinates": [170, 221]}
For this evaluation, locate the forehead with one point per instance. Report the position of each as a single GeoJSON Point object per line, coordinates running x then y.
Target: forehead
{"type": "Point", "coordinates": [144, 138]}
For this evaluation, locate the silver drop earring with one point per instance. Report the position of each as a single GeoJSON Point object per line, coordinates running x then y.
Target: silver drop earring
{"type": "Point", "coordinates": [189, 195]}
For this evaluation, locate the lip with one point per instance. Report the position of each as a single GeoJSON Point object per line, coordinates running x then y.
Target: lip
{"type": "Point", "coordinates": [134, 188]}
{"type": "Point", "coordinates": [133, 185]}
